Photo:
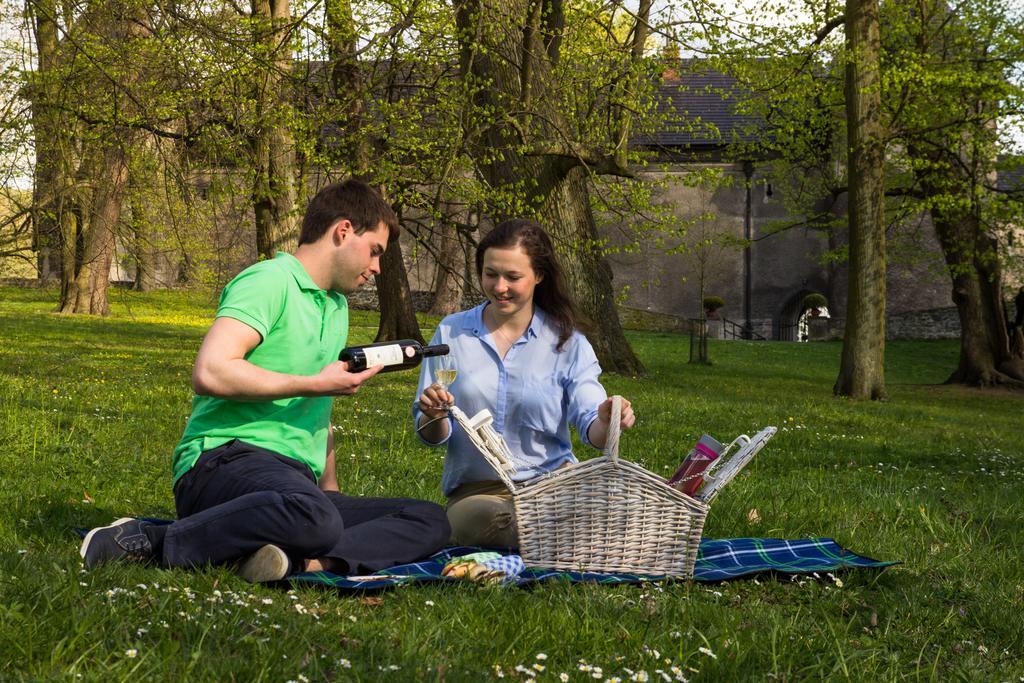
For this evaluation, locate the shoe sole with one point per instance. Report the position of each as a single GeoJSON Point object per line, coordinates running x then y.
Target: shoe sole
{"type": "Point", "coordinates": [88, 537]}
{"type": "Point", "coordinates": [269, 563]}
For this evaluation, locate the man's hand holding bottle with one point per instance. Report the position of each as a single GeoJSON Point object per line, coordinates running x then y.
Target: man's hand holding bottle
{"type": "Point", "coordinates": [336, 380]}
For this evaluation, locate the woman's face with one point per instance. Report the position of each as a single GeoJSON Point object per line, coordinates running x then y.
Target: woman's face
{"type": "Point", "coordinates": [508, 280]}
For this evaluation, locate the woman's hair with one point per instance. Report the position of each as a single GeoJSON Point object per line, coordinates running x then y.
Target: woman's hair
{"type": "Point", "coordinates": [550, 294]}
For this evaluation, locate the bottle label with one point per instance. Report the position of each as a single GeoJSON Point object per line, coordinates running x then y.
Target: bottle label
{"type": "Point", "coordinates": [383, 355]}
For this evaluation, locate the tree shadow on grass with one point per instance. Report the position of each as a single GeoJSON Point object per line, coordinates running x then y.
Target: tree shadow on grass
{"type": "Point", "coordinates": [64, 522]}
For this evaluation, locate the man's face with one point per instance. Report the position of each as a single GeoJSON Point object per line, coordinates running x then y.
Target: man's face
{"type": "Point", "coordinates": [358, 257]}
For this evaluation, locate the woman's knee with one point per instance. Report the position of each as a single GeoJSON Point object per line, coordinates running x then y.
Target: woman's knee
{"type": "Point", "coordinates": [483, 520]}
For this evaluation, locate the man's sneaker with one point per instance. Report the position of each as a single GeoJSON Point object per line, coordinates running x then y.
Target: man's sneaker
{"type": "Point", "coordinates": [269, 563]}
{"type": "Point", "coordinates": [124, 539]}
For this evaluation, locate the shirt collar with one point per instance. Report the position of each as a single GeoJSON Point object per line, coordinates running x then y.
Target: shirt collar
{"type": "Point", "coordinates": [475, 322]}
{"type": "Point", "coordinates": [292, 265]}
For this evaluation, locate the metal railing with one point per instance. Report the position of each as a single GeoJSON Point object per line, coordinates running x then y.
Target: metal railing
{"type": "Point", "coordinates": [734, 330]}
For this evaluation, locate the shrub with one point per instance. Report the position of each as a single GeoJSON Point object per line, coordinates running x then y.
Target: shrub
{"type": "Point", "coordinates": [713, 303]}
{"type": "Point", "coordinates": [814, 300]}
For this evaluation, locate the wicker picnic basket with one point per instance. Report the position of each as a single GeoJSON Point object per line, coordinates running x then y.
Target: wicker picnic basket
{"type": "Point", "coordinates": [608, 514]}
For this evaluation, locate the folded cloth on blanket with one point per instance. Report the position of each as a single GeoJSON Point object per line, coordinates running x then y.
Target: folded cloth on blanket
{"type": "Point", "coordinates": [717, 560]}
{"type": "Point", "coordinates": [489, 568]}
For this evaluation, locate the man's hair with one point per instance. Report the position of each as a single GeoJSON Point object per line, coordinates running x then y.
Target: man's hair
{"type": "Point", "coordinates": [351, 200]}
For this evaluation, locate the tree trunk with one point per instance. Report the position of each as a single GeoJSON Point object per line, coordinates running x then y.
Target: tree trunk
{"type": "Point", "coordinates": [501, 56]}
{"type": "Point", "coordinates": [49, 181]}
{"type": "Point", "coordinates": [397, 317]}
{"type": "Point", "coordinates": [394, 298]}
{"type": "Point", "coordinates": [450, 278]}
{"type": "Point", "coordinates": [862, 370]}
{"type": "Point", "coordinates": [587, 271]}
{"type": "Point", "coordinates": [987, 355]}
{"type": "Point", "coordinates": [87, 292]}
{"type": "Point", "coordinates": [348, 89]}
{"type": "Point", "coordinates": [273, 191]}
{"type": "Point", "coordinates": [149, 207]}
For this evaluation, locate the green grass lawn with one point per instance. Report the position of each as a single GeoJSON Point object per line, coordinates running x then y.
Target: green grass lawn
{"type": "Point", "coordinates": [91, 408]}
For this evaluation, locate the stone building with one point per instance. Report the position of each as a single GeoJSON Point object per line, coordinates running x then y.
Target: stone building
{"type": "Point", "coordinates": [764, 284]}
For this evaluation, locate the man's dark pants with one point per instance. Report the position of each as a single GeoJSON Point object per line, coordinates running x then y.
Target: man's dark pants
{"type": "Point", "coordinates": [239, 497]}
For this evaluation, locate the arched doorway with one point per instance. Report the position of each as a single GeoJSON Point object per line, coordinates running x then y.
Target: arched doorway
{"type": "Point", "coordinates": [791, 322]}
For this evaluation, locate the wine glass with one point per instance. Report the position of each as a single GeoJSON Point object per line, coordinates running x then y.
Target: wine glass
{"type": "Point", "coordinates": [444, 370]}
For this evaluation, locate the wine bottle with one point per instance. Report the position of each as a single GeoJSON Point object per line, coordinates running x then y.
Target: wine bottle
{"type": "Point", "coordinates": [393, 355]}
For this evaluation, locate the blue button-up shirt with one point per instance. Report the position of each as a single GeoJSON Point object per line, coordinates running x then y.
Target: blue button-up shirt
{"type": "Point", "coordinates": [534, 394]}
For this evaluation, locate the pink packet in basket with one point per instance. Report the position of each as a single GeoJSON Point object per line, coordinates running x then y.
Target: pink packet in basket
{"type": "Point", "coordinates": [688, 478]}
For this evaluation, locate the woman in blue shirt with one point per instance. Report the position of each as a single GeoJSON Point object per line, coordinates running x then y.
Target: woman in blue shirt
{"type": "Point", "coordinates": [520, 356]}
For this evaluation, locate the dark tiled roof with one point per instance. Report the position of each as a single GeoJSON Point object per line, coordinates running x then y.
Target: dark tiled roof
{"type": "Point", "coordinates": [699, 109]}
{"type": "Point", "coordinates": [1011, 174]}
{"type": "Point", "coordinates": [696, 104]}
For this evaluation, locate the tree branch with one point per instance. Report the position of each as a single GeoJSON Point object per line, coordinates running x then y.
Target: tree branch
{"type": "Point", "coordinates": [831, 25]}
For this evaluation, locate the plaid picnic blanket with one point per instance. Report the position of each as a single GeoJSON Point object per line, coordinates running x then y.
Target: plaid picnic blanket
{"type": "Point", "coordinates": [717, 560]}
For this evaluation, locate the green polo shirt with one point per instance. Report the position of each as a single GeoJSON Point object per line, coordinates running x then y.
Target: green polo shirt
{"type": "Point", "coordinates": [303, 328]}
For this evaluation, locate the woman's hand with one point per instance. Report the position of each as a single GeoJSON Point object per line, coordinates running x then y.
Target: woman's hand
{"type": "Point", "coordinates": [604, 413]}
{"type": "Point", "coordinates": [435, 401]}
{"type": "Point", "coordinates": [598, 431]}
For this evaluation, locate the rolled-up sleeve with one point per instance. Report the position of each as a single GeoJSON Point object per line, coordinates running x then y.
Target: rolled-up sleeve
{"type": "Point", "coordinates": [583, 387]}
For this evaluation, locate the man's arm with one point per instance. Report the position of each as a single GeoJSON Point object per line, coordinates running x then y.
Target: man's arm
{"type": "Point", "coordinates": [221, 370]}
{"type": "Point", "coordinates": [329, 479]}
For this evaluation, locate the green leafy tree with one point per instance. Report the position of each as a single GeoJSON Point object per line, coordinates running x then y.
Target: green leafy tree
{"type": "Point", "coordinates": [535, 150]}
{"type": "Point", "coordinates": [952, 86]}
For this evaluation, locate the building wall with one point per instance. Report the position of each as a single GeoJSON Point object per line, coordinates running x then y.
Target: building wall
{"type": "Point", "coordinates": [787, 261]}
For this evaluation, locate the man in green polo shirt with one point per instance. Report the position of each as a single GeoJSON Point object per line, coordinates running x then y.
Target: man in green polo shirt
{"type": "Point", "coordinates": [254, 472]}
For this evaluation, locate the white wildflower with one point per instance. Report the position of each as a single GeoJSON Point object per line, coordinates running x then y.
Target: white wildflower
{"type": "Point", "coordinates": [131, 654]}
{"type": "Point", "coordinates": [706, 651]}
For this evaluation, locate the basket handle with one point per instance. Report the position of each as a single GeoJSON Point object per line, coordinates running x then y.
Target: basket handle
{"type": "Point", "coordinates": [490, 444]}
{"type": "Point", "coordinates": [611, 444]}
{"type": "Point", "coordinates": [730, 466]}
